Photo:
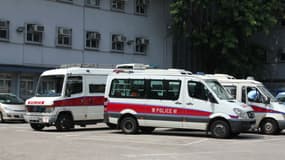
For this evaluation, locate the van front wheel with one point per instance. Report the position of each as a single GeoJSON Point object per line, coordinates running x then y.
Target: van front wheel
{"type": "Point", "coordinates": [220, 129]}
{"type": "Point", "coordinates": [269, 126]}
{"type": "Point", "coordinates": [37, 127]}
{"type": "Point", "coordinates": [129, 125]}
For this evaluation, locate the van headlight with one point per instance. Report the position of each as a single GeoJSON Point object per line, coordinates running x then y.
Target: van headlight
{"type": "Point", "coordinates": [49, 109]}
{"type": "Point", "coordinates": [240, 113]}
{"type": "Point", "coordinates": [8, 109]}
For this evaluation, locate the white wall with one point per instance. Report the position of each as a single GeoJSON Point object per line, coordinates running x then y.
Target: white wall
{"type": "Point", "coordinates": [51, 14]}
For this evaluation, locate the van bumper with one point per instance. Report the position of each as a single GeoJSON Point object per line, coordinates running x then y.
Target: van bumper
{"type": "Point", "coordinates": [40, 118]}
{"type": "Point", "coordinates": [238, 126]}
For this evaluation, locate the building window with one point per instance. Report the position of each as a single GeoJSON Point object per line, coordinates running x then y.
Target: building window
{"type": "Point", "coordinates": [118, 5]}
{"type": "Point", "coordinates": [4, 30]}
{"type": "Point", "coordinates": [92, 3]}
{"type": "Point", "coordinates": [64, 37]}
{"type": "Point", "coordinates": [141, 45]}
{"type": "Point", "coordinates": [141, 6]}
{"type": "Point", "coordinates": [66, 1]}
{"type": "Point", "coordinates": [118, 42]}
{"type": "Point", "coordinates": [26, 87]}
{"type": "Point", "coordinates": [92, 40]}
{"type": "Point", "coordinates": [5, 83]}
{"type": "Point", "coordinates": [34, 33]}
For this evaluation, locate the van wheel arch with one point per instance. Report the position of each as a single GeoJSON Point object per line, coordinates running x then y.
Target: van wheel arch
{"type": "Point", "coordinates": [216, 119]}
{"type": "Point", "coordinates": [128, 123]}
{"type": "Point", "coordinates": [67, 114]}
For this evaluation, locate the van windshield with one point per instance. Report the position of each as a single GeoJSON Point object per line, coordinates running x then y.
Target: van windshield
{"type": "Point", "coordinates": [10, 99]}
{"type": "Point", "coordinates": [219, 90]}
{"type": "Point", "coordinates": [50, 86]}
{"type": "Point", "coordinates": [267, 93]}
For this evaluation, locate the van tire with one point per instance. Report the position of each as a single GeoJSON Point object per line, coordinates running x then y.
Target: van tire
{"type": "Point", "coordinates": [269, 126]}
{"type": "Point", "coordinates": [37, 127]}
{"type": "Point", "coordinates": [129, 125]}
{"type": "Point", "coordinates": [64, 122]}
{"type": "Point", "coordinates": [147, 130]}
{"type": "Point", "coordinates": [1, 118]}
{"type": "Point", "coordinates": [220, 129]}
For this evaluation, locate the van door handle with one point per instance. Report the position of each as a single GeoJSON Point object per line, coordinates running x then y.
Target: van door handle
{"type": "Point", "coordinates": [189, 103]}
{"type": "Point", "coordinates": [178, 103]}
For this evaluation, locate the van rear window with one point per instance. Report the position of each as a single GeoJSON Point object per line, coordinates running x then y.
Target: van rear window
{"type": "Point", "coordinates": [148, 89]}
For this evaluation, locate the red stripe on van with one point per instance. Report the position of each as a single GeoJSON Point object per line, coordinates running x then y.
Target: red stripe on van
{"type": "Point", "coordinates": [149, 109]}
{"type": "Point", "coordinates": [260, 109]}
{"type": "Point", "coordinates": [81, 101]}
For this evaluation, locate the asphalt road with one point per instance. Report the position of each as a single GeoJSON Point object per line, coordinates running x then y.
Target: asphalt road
{"type": "Point", "coordinates": [97, 142]}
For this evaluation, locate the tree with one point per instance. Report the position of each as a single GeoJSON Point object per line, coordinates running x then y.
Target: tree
{"type": "Point", "coordinates": [220, 32]}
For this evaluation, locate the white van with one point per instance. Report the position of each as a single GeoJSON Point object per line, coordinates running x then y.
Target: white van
{"type": "Point", "coordinates": [143, 100]}
{"type": "Point", "coordinates": [270, 114]}
{"type": "Point", "coordinates": [66, 97]}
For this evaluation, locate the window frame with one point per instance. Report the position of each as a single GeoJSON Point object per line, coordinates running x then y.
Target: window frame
{"type": "Point", "coordinates": [141, 47]}
{"type": "Point", "coordinates": [145, 7]}
{"type": "Point", "coordinates": [33, 33]}
{"type": "Point", "coordinates": [5, 29]}
{"type": "Point", "coordinates": [69, 36]}
{"type": "Point", "coordinates": [97, 40]}
{"type": "Point", "coordinates": [115, 43]}
{"type": "Point", "coordinates": [116, 8]}
{"type": "Point", "coordinates": [66, 1]}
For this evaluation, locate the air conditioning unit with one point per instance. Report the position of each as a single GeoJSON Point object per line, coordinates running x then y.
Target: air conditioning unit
{"type": "Point", "coordinates": [37, 28]}
{"type": "Point", "coordinates": [92, 2]}
{"type": "Point", "coordinates": [145, 2]}
{"type": "Point", "coordinates": [120, 38]}
{"type": "Point", "coordinates": [4, 24]}
{"type": "Point", "coordinates": [144, 41]}
{"type": "Point", "coordinates": [64, 31]}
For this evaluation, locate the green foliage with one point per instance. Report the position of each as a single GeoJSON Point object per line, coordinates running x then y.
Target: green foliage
{"type": "Point", "coordinates": [222, 29]}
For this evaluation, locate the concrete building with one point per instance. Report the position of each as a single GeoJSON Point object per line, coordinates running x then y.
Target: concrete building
{"type": "Point", "coordinates": [36, 35]}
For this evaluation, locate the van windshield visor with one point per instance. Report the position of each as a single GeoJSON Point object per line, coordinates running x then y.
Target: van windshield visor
{"type": "Point", "coordinates": [50, 86]}
{"type": "Point", "coordinates": [267, 93]}
{"type": "Point", "coordinates": [219, 90]}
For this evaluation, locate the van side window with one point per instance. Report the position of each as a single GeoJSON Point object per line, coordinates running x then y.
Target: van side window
{"type": "Point", "coordinates": [128, 88]}
{"type": "Point", "coordinates": [197, 90]}
{"type": "Point", "coordinates": [74, 85]}
{"type": "Point", "coordinates": [164, 89]}
{"type": "Point", "coordinates": [232, 90]}
{"type": "Point", "coordinates": [149, 89]}
{"type": "Point", "coordinates": [96, 88]}
{"type": "Point", "coordinates": [253, 95]}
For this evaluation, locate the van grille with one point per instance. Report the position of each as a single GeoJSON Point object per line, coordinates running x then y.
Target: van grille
{"type": "Point", "coordinates": [251, 114]}
{"type": "Point", "coordinates": [38, 109]}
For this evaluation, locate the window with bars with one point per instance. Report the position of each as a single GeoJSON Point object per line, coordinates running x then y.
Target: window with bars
{"type": "Point", "coordinates": [92, 3]}
{"type": "Point", "coordinates": [118, 42]}
{"type": "Point", "coordinates": [64, 37]}
{"type": "Point", "coordinates": [118, 4]}
{"type": "Point", "coordinates": [141, 6]}
{"type": "Point", "coordinates": [141, 45]}
{"type": "Point", "coordinates": [34, 33]}
{"type": "Point", "coordinates": [92, 40]}
{"type": "Point", "coordinates": [4, 30]}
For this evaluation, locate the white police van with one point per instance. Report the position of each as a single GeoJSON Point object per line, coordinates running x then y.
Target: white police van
{"type": "Point", "coordinates": [71, 95]}
{"type": "Point", "coordinates": [146, 99]}
{"type": "Point", "coordinates": [270, 114]}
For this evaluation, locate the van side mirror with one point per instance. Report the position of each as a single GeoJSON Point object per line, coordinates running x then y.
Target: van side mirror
{"type": "Point", "coordinates": [211, 98]}
{"type": "Point", "coordinates": [267, 100]}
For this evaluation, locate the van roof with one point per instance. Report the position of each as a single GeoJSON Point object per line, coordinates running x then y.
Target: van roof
{"type": "Point", "coordinates": [76, 70]}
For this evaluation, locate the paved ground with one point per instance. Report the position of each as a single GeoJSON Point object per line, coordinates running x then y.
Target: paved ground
{"type": "Point", "coordinates": [97, 142]}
